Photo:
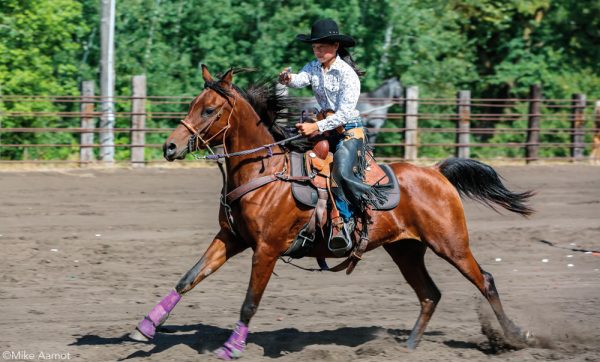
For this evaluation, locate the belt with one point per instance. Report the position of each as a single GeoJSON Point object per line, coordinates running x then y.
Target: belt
{"type": "Point", "coordinates": [351, 125]}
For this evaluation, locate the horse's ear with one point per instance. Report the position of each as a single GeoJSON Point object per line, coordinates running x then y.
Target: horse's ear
{"type": "Point", "coordinates": [227, 79]}
{"type": "Point", "coordinates": [205, 74]}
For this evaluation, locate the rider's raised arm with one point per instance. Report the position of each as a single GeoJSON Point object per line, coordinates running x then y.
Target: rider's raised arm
{"type": "Point", "coordinates": [302, 78]}
{"type": "Point", "coordinates": [345, 106]}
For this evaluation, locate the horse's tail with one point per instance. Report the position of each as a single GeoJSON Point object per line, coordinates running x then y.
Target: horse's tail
{"type": "Point", "coordinates": [480, 182]}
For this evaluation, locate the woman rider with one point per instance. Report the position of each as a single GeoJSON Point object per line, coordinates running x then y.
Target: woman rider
{"type": "Point", "coordinates": [335, 82]}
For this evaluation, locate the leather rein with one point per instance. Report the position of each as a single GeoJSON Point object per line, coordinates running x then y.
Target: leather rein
{"type": "Point", "coordinates": [197, 141]}
{"type": "Point", "coordinates": [227, 198]}
{"type": "Point", "coordinates": [196, 137]}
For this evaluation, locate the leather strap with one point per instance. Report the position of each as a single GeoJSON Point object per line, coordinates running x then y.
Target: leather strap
{"type": "Point", "coordinates": [260, 182]}
{"type": "Point", "coordinates": [321, 208]}
{"type": "Point", "coordinates": [249, 186]}
{"type": "Point", "coordinates": [317, 215]}
{"type": "Point", "coordinates": [356, 255]}
{"type": "Point", "coordinates": [350, 262]}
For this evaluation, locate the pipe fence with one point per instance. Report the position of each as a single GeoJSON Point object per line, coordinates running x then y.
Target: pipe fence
{"type": "Point", "coordinates": [62, 129]}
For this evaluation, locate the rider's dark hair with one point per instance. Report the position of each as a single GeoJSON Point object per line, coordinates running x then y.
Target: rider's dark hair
{"type": "Point", "coordinates": [347, 57]}
{"type": "Point", "coordinates": [344, 53]}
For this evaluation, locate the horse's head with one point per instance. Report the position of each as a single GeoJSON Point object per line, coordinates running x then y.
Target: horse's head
{"type": "Point", "coordinates": [207, 120]}
{"type": "Point", "coordinates": [394, 87]}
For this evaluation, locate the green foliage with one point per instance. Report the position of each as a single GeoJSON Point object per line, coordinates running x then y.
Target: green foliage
{"type": "Point", "coordinates": [39, 54]}
{"type": "Point", "coordinates": [494, 48]}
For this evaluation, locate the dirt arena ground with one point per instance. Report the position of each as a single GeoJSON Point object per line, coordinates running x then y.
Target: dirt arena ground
{"type": "Point", "coordinates": [86, 253]}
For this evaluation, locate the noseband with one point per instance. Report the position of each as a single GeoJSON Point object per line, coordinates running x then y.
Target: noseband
{"type": "Point", "coordinates": [196, 140]}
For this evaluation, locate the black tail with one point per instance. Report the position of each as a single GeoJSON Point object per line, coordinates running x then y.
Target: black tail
{"type": "Point", "coordinates": [480, 182]}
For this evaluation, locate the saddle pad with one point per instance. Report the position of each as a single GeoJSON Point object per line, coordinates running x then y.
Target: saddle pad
{"type": "Point", "coordinates": [303, 193]}
{"type": "Point", "coordinates": [307, 195]}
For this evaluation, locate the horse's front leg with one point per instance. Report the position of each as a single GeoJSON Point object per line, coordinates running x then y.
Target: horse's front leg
{"type": "Point", "coordinates": [263, 263]}
{"type": "Point", "coordinates": [223, 247]}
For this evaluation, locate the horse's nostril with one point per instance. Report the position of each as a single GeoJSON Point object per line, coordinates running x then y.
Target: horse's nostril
{"type": "Point", "coordinates": [171, 146]}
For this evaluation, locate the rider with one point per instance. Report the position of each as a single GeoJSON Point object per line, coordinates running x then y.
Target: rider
{"type": "Point", "coordinates": [335, 82]}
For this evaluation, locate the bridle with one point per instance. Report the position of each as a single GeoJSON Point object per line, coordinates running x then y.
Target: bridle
{"type": "Point", "coordinates": [196, 140]}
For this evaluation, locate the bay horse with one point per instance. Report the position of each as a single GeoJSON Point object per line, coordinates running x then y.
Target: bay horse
{"type": "Point", "coordinates": [430, 213]}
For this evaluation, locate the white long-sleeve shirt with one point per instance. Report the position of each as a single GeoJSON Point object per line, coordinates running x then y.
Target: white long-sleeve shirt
{"type": "Point", "coordinates": [337, 88]}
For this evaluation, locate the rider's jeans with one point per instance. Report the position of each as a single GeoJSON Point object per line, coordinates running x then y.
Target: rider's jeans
{"type": "Point", "coordinates": [344, 208]}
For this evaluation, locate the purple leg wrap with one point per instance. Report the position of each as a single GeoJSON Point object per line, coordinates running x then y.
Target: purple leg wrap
{"type": "Point", "coordinates": [158, 314]}
{"type": "Point", "coordinates": [235, 345]}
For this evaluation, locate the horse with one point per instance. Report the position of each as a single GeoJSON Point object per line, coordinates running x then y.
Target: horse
{"type": "Point", "coordinates": [373, 106]}
{"type": "Point", "coordinates": [267, 219]}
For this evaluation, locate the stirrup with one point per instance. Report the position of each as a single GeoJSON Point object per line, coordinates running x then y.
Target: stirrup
{"type": "Point", "coordinates": [341, 243]}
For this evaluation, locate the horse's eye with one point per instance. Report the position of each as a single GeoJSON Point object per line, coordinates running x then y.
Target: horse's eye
{"type": "Point", "coordinates": [208, 111]}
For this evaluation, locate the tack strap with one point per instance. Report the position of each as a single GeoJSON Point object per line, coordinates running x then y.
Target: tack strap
{"type": "Point", "coordinates": [260, 182]}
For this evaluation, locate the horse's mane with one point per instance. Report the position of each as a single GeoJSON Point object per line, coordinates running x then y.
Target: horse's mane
{"type": "Point", "coordinates": [275, 109]}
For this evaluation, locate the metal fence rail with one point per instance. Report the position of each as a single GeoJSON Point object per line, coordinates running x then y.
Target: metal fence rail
{"type": "Point", "coordinates": [62, 129]}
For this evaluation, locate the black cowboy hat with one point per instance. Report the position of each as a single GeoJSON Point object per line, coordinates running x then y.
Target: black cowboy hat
{"type": "Point", "coordinates": [326, 30]}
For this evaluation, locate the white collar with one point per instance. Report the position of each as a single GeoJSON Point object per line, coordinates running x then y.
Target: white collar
{"type": "Point", "coordinates": [333, 65]}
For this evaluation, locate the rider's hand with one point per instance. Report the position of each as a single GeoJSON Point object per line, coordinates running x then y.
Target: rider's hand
{"type": "Point", "coordinates": [285, 77]}
{"type": "Point", "coordinates": [307, 129]}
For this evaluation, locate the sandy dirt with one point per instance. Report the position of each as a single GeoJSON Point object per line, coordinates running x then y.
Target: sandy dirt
{"type": "Point", "coordinates": [86, 253]}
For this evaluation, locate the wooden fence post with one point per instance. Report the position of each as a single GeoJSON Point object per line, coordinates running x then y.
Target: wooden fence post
{"type": "Point", "coordinates": [595, 154]}
{"type": "Point", "coordinates": [597, 117]}
{"type": "Point", "coordinates": [411, 123]}
{"type": "Point", "coordinates": [463, 124]}
{"type": "Point", "coordinates": [533, 127]}
{"type": "Point", "coordinates": [86, 150]}
{"type": "Point", "coordinates": [577, 122]}
{"type": "Point", "coordinates": [138, 120]}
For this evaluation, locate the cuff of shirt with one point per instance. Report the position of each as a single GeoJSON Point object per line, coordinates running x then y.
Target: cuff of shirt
{"type": "Point", "coordinates": [325, 124]}
{"type": "Point", "coordinates": [321, 124]}
{"type": "Point", "coordinates": [292, 79]}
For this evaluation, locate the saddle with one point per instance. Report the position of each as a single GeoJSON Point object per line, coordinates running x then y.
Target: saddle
{"type": "Point", "coordinates": [316, 194]}
{"type": "Point", "coordinates": [316, 165]}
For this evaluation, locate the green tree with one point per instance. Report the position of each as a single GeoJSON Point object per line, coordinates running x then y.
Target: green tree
{"type": "Point", "coordinates": [39, 55]}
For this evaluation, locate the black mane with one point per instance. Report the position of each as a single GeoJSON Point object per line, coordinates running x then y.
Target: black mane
{"type": "Point", "coordinates": [275, 109]}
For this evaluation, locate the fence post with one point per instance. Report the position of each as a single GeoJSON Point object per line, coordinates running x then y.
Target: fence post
{"type": "Point", "coordinates": [463, 124]}
{"type": "Point", "coordinates": [138, 120]}
{"type": "Point", "coordinates": [107, 80]}
{"type": "Point", "coordinates": [595, 154]}
{"type": "Point", "coordinates": [411, 123]}
{"type": "Point", "coordinates": [577, 122]}
{"type": "Point", "coordinates": [597, 117]}
{"type": "Point", "coordinates": [86, 150]}
{"type": "Point", "coordinates": [533, 127]}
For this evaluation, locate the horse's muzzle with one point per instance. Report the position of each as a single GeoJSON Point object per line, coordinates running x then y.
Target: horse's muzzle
{"type": "Point", "coordinates": [170, 151]}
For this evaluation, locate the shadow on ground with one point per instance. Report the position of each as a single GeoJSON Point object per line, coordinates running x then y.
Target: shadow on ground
{"type": "Point", "coordinates": [206, 338]}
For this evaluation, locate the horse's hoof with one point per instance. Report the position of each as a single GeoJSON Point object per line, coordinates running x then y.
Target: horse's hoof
{"type": "Point", "coordinates": [227, 353]}
{"type": "Point", "coordinates": [138, 336]}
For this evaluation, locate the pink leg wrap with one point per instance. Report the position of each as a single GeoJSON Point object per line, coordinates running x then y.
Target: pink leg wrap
{"type": "Point", "coordinates": [158, 314]}
{"type": "Point", "coordinates": [235, 345]}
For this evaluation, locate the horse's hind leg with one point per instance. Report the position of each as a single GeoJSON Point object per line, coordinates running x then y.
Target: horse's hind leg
{"type": "Point", "coordinates": [409, 256]}
{"type": "Point", "coordinates": [223, 247]}
{"type": "Point", "coordinates": [460, 256]}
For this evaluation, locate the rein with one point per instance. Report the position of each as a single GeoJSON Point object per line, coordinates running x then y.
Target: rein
{"type": "Point", "coordinates": [193, 142]}
{"type": "Point", "coordinates": [227, 198]}
{"type": "Point", "coordinates": [268, 147]}
{"type": "Point", "coordinates": [196, 138]}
